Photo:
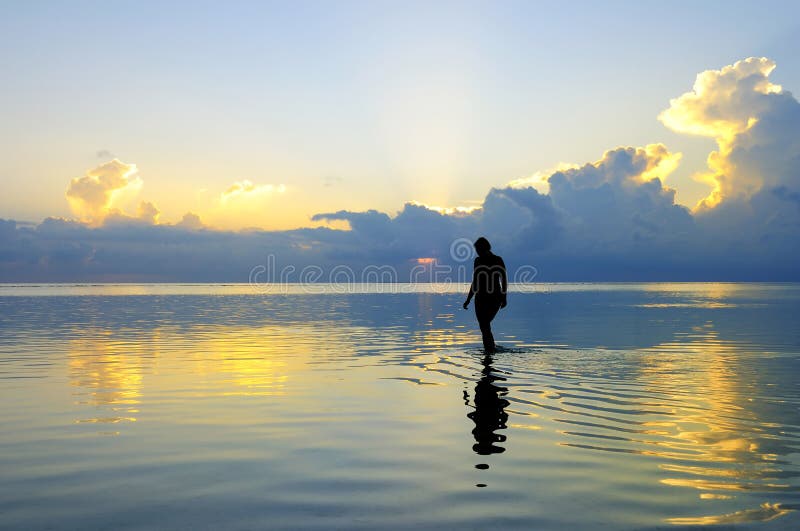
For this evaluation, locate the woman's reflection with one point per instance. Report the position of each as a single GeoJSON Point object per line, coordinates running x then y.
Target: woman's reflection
{"type": "Point", "coordinates": [489, 414]}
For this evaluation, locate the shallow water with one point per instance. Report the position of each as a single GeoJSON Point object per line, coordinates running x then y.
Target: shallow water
{"type": "Point", "coordinates": [611, 406]}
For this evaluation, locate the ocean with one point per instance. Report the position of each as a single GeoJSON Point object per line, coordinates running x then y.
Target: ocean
{"type": "Point", "coordinates": [203, 406]}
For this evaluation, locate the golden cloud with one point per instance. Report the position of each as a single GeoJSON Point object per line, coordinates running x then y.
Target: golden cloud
{"type": "Point", "coordinates": [247, 189]}
{"type": "Point", "coordinates": [539, 180]}
{"type": "Point", "coordinates": [148, 212]}
{"type": "Point", "coordinates": [450, 211]}
{"type": "Point", "coordinates": [724, 104]}
{"type": "Point", "coordinates": [93, 196]}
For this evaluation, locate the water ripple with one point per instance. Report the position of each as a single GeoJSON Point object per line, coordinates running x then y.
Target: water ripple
{"type": "Point", "coordinates": [661, 405]}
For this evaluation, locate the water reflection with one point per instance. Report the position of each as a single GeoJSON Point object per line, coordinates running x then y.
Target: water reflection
{"type": "Point", "coordinates": [489, 413]}
{"type": "Point", "coordinates": [107, 377]}
{"type": "Point", "coordinates": [114, 375]}
{"type": "Point", "coordinates": [718, 440]}
{"type": "Point", "coordinates": [764, 513]}
{"type": "Point", "coordinates": [666, 405]}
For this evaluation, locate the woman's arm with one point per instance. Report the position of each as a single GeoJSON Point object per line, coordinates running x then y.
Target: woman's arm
{"type": "Point", "coordinates": [472, 284]}
{"type": "Point", "coordinates": [503, 283]}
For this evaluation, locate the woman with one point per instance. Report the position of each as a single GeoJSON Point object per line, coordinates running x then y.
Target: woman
{"type": "Point", "coordinates": [489, 286]}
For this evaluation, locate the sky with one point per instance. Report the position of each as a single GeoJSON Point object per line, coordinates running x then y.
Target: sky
{"type": "Point", "coordinates": [381, 132]}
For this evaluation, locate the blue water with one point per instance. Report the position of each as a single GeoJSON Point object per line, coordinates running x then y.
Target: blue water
{"type": "Point", "coordinates": [609, 406]}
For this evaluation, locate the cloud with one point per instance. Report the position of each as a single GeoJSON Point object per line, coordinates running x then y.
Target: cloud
{"type": "Point", "coordinates": [614, 206]}
{"type": "Point", "coordinates": [245, 204]}
{"type": "Point", "coordinates": [148, 212]}
{"type": "Point", "coordinates": [375, 237]}
{"type": "Point", "coordinates": [611, 219]}
{"type": "Point", "coordinates": [59, 250]}
{"type": "Point", "coordinates": [752, 215]}
{"type": "Point", "coordinates": [621, 196]}
{"type": "Point", "coordinates": [539, 179]}
{"type": "Point", "coordinates": [754, 122]}
{"type": "Point", "coordinates": [371, 225]}
{"type": "Point", "coordinates": [248, 190]}
{"type": "Point", "coordinates": [190, 221]}
{"type": "Point", "coordinates": [94, 195]}
{"type": "Point", "coordinates": [723, 102]}
{"type": "Point", "coordinates": [453, 210]}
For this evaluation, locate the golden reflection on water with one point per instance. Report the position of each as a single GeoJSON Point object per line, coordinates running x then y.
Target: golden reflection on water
{"type": "Point", "coordinates": [711, 421]}
{"type": "Point", "coordinates": [712, 290]}
{"type": "Point", "coordinates": [108, 376]}
{"type": "Point", "coordinates": [113, 376]}
{"type": "Point", "coordinates": [439, 331]}
{"type": "Point", "coordinates": [243, 362]}
{"type": "Point", "coordinates": [764, 513]}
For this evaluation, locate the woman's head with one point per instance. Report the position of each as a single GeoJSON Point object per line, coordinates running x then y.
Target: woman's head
{"type": "Point", "coordinates": [482, 246]}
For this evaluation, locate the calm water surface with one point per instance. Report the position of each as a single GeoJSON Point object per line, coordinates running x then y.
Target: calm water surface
{"type": "Point", "coordinates": [611, 406]}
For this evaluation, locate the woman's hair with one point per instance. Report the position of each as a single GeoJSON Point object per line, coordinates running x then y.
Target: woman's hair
{"type": "Point", "coordinates": [482, 244]}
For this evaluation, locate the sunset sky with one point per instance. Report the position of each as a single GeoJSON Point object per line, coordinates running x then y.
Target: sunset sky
{"type": "Point", "coordinates": [279, 116]}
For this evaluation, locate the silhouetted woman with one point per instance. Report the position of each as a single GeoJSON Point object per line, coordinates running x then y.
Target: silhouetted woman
{"type": "Point", "coordinates": [489, 285]}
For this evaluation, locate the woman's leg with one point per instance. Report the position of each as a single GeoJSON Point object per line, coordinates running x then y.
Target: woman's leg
{"type": "Point", "coordinates": [485, 311]}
